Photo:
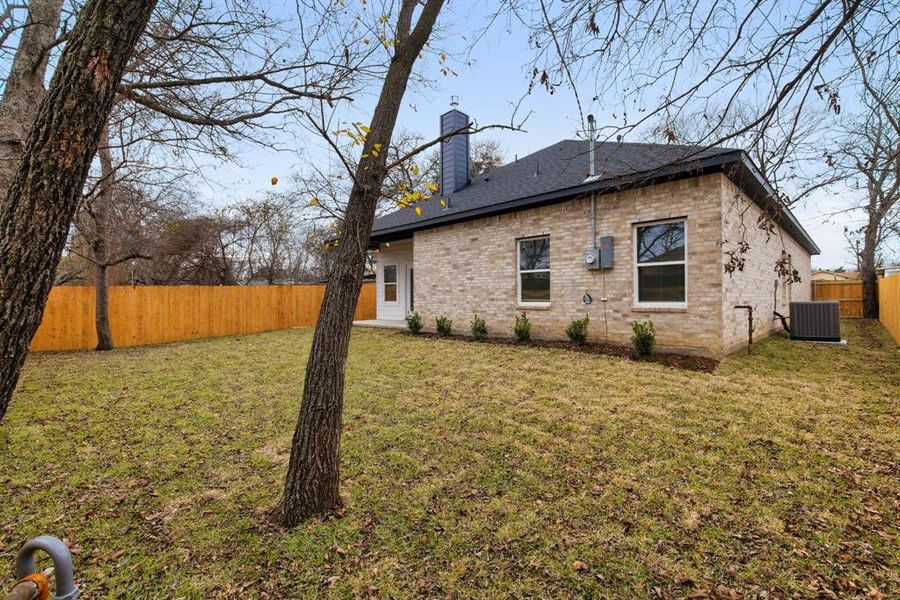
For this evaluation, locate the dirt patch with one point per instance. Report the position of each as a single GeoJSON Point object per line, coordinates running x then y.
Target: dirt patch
{"type": "Point", "coordinates": [277, 451]}
{"type": "Point", "coordinates": [678, 361]}
{"type": "Point", "coordinates": [173, 507]}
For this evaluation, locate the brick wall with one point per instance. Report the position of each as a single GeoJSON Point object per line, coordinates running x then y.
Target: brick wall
{"type": "Point", "coordinates": [755, 285]}
{"type": "Point", "coordinates": [470, 267]}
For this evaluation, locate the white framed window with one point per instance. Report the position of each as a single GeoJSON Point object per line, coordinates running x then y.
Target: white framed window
{"type": "Point", "coordinates": [660, 264]}
{"type": "Point", "coordinates": [533, 256]}
{"type": "Point", "coordinates": [389, 276]}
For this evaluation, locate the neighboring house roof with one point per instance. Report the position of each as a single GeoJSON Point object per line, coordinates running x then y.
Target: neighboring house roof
{"type": "Point", "coordinates": [824, 274]}
{"type": "Point", "coordinates": [559, 172]}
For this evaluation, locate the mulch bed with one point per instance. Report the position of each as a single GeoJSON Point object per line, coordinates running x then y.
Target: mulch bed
{"type": "Point", "coordinates": [678, 361]}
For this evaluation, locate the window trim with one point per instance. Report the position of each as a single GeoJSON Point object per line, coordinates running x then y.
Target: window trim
{"type": "Point", "coordinates": [529, 303]}
{"type": "Point", "coordinates": [637, 266]}
{"type": "Point", "coordinates": [396, 284]}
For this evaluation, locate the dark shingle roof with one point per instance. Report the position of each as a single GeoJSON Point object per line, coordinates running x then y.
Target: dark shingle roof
{"type": "Point", "coordinates": [556, 173]}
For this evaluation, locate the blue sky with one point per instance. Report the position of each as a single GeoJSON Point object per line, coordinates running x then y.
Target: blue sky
{"type": "Point", "coordinates": [489, 82]}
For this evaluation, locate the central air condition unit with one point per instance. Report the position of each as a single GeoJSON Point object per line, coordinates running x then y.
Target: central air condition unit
{"type": "Point", "coordinates": [816, 321]}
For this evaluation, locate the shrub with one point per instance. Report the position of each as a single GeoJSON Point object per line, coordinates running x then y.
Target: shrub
{"type": "Point", "coordinates": [444, 325]}
{"type": "Point", "coordinates": [577, 330]}
{"type": "Point", "coordinates": [479, 328]}
{"type": "Point", "coordinates": [522, 328]}
{"type": "Point", "coordinates": [414, 322]}
{"type": "Point", "coordinates": [643, 339]}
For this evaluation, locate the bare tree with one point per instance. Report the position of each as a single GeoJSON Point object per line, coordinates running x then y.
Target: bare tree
{"type": "Point", "coordinates": [24, 85]}
{"type": "Point", "coordinates": [314, 260]}
{"type": "Point", "coordinates": [750, 72]}
{"type": "Point", "coordinates": [313, 476]}
{"type": "Point", "coordinates": [206, 76]}
{"type": "Point", "coordinates": [116, 219]}
{"type": "Point", "coordinates": [271, 224]}
{"type": "Point", "coordinates": [259, 240]}
{"type": "Point", "coordinates": [203, 78]}
{"type": "Point", "coordinates": [869, 162]}
{"type": "Point", "coordinates": [486, 155]}
{"type": "Point", "coordinates": [97, 227]}
{"type": "Point", "coordinates": [202, 75]}
{"type": "Point", "coordinates": [415, 175]}
{"type": "Point", "coordinates": [44, 194]}
{"type": "Point", "coordinates": [765, 61]}
{"type": "Point", "coordinates": [789, 153]}
{"type": "Point", "coordinates": [189, 250]}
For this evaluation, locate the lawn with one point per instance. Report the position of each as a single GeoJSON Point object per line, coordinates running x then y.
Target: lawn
{"type": "Point", "coordinates": [469, 470]}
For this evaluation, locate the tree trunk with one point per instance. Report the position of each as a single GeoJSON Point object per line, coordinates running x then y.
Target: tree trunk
{"type": "Point", "coordinates": [101, 304]}
{"type": "Point", "coordinates": [312, 483]}
{"type": "Point", "coordinates": [99, 244]}
{"type": "Point", "coordinates": [25, 85]}
{"type": "Point", "coordinates": [37, 213]}
{"type": "Point", "coordinates": [868, 262]}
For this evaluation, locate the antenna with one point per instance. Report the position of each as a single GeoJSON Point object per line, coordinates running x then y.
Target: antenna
{"type": "Point", "coordinates": [591, 136]}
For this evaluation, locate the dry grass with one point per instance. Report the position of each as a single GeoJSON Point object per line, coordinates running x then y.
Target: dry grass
{"type": "Point", "coordinates": [469, 471]}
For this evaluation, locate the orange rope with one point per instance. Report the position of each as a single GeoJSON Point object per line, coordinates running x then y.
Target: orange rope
{"type": "Point", "coordinates": [41, 582]}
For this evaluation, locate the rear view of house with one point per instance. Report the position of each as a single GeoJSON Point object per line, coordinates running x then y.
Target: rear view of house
{"type": "Point", "coordinates": [617, 231]}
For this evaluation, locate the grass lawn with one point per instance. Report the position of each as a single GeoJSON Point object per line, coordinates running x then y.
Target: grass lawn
{"type": "Point", "coordinates": [469, 470]}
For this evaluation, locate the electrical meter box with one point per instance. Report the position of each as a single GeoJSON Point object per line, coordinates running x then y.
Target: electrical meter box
{"type": "Point", "coordinates": [602, 257]}
{"type": "Point", "coordinates": [606, 252]}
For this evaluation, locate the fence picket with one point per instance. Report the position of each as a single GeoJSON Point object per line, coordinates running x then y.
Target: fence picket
{"type": "Point", "coordinates": [154, 314]}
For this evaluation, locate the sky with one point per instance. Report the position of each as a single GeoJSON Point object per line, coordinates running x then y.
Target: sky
{"type": "Point", "coordinates": [491, 83]}
{"type": "Point", "coordinates": [491, 80]}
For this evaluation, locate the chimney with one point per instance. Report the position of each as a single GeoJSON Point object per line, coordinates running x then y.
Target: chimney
{"type": "Point", "coordinates": [454, 150]}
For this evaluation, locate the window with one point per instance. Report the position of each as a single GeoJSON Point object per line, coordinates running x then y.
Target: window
{"type": "Point", "coordinates": [534, 271]}
{"type": "Point", "coordinates": [660, 267]}
{"type": "Point", "coordinates": [390, 283]}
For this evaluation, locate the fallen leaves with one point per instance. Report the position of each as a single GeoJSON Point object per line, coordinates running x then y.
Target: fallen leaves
{"type": "Point", "coordinates": [116, 555]}
{"type": "Point", "coordinates": [478, 470]}
{"type": "Point", "coordinates": [578, 566]}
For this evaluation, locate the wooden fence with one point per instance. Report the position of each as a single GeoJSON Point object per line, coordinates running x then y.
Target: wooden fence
{"type": "Point", "coordinates": [155, 314]}
{"type": "Point", "coordinates": [848, 293]}
{"type": "Point", "coordinates": [889, 304]}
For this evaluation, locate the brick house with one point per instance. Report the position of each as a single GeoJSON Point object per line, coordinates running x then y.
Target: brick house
{"type": "Point", "coordinates": [644, 234]}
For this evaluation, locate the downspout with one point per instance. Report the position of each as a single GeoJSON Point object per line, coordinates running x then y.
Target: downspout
{"type": "Point", "coordinates": [777, 314]}
{"type": "Point", "coordinates": [591, 133]}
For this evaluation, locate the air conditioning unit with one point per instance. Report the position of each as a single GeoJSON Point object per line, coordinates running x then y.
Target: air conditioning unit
{"type": "Point", "coordinates": [816, 321]}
